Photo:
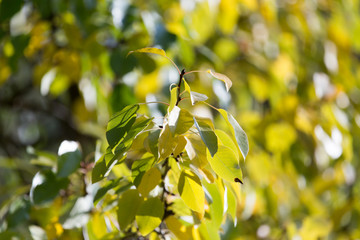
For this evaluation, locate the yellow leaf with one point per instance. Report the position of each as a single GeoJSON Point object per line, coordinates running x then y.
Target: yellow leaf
{"type": "Point", "coordinates": [181, 143]}
{"type": "Point", "coordinates": [166, 143]}
{"type": "Point", "coordinates": [196, 150]}
{"type": "Point", "coordinates": [177, 228]}
{"type": "Point", "coordinates": [149, 181]}
{"type": "Point", "coordinates": [173, 99]}
{"type": "Point", "coordinates": [225, 164]}
{"type": "Point", "coordinates": [157, 51]}
{"type": "Point", "coordinates": [191, 191]}
{"type": "Point", "coordinates": [222, 77]}
{"type": "Point", "coordinates": [180, 121]}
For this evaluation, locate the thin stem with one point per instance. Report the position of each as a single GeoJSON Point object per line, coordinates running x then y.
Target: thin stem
{"type": "Point", "coordinates": [173, 64]}
{"type": "Point", "coordinates": [154, 102]}
{"type": "Point", "coordinates": [211, 106]}
{"type": "Point", "coordinates": [183, 98]}
{"type": "Point", "coordinates": [179, 85]}
{"type": "Point", "coordinates": [195, 71]}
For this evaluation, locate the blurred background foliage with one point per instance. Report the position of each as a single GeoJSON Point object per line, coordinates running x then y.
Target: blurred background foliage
{"type": "Point", "coordinates": [296, 92]}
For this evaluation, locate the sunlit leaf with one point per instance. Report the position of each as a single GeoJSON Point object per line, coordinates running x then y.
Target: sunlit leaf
{"type": "Point", "coordinates": [196, 150]}
{"type": "Point", "coordinates": [237, 132]}
{"type": "Point", "coordinates": [177, 228]}
{"type": "Point", "coordinates": [191, 191]}
{"type": "Point", "coordinates": [149, 215]}
{"type": "Point", "coordinates": [173, 98]}
{"type": "Point", "coordinates": [139, 167]}
{"type": "Point", "coordinates": [120, 124]}
{"type": "Point", "coordinates": [225, 164]}
{"type": "Point", "coordinates": [180, 146]}
{"type": "Point", "coordinates": [223, 78]}
{"type": "Point", "coordinates": [167, 142]}
{"type": "Point", "coordinates": [128, 205]}
{"type": "Point", "coordinates": [207, 135]}
{"type": "Point", "coordinates": [149, 180]}
{"type": "Point", "coordinates": [180, 120]}
{"type": "Point", "coordinates": [226, 140]}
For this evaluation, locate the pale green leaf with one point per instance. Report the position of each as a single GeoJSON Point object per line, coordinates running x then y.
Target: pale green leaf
{"type": "Point", "coordinates": [149, 181]}
{"type": "Point", "coordinates": [191, 191]}
{"type": "Point", "coordinates": [207, 135]}
{"type": "Point", "coordinates": [180, 120]}
{"type": "Point", "coordinates": [231, 204]}
{"type": "Point", "coordinates": [217, 204]}
{"type": "Point", "coordinates": [225, 164]}
{"type": "Point", "coordinates": [226, 140]}
{"type": "Point", "coordinates": [128, 204]}
{"type": "Point", "coordinates": [237, 132]}
{"type": "Point", "coordinates": [149, 215]}
{"type": "Point", "coordinates": [197, 97]}
{"type": "Point", "coordinates": [222, 77]}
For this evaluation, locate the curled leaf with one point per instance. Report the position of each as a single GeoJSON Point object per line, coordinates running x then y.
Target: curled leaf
{"type": "Point", "coordinates": [157, 51]}
{"type": "Point", "coordinates": [197, 97]}
{"type": "Point", "coordinates": [222, 77]}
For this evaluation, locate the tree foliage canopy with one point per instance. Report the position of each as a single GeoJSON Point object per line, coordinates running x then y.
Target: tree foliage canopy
{"type": "Point", "coordinates": [66, 74]}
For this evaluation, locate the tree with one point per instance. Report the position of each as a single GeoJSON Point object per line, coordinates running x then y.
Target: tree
{"type": "Point", "coordinates": [182, 157]}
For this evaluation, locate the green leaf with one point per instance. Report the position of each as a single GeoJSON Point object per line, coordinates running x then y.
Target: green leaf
{"type": "Point", "coordinates": [151, 143]}
{"type": "Point", "coordinates": [149, 215]}
{"type": "Point", "coordinates": [237, 132]}
{"type": "Point", "coordinates": [149, 181]}
{"type": "Point", "coordinates": [157, 51]}
{"type": "Point", "coordinates": [180, 121]}
{"type": "Point", "coordinates": [45, 187]}
{"type": "Point", "coordinates": [231, 204]}
{"type": "Point", "coordinates": [8, 8]}
{"type": "Point", "coordinates": [99, 170]}
{"type": "Point", "coordinates": [217, 204]}
{"type": "Point", "coordinates": [128, 204]}
{"type": "Point", "coordinates": [139, 167]}
{"type": "Point", "coordinates": [103, 190]}
{"type": "Point", "coordinates": [104, 165]}
{"type": "Point", "coordinates": [225, 164]}
{"type": "Point", "coordinates": [191, 191]}
{"type": "Point", "coordinates": [120, 124]}
{"type": "Point", "coordinates": [68, 163]}
{"type": "Point", "coordinates": [207, 134]}
{"type": "Point", "coordinates": [222, 77]}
